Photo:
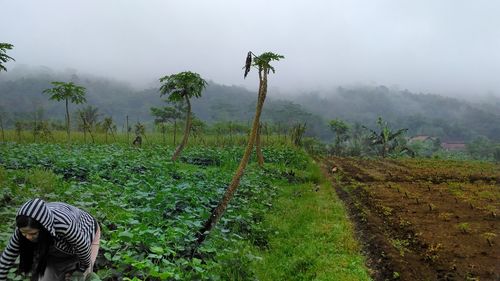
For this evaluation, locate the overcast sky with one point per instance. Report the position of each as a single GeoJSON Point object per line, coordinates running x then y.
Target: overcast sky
{"type": "Point", "coordinates": [440, 46]}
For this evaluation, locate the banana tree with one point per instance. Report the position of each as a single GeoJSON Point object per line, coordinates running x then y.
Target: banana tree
{"type": "Point", "coordinates": [385, 137]}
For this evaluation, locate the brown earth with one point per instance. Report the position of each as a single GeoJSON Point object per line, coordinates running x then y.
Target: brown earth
{"type": "Point", "coordinates": [423, 221]}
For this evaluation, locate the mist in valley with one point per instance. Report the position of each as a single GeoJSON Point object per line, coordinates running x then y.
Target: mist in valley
{"type": "Point", "coordinates": [429, 66]}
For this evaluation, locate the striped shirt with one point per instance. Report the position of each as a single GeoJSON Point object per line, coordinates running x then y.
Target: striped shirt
{"type": "Point", "coordinates": [72, 229]}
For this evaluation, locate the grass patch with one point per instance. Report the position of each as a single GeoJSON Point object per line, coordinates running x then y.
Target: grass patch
{"type": "Point", "coordinates": [313, 238]}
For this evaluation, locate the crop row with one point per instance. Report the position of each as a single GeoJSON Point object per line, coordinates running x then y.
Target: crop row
{"type": "Point", "coordinates": [150, 208]}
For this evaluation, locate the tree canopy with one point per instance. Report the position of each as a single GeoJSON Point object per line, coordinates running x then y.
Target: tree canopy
{"type": "Point", "coordinates": [3, 55]}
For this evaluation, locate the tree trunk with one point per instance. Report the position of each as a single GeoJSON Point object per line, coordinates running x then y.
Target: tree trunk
{"type": "Point", "coordinates": [175, 131]}
{"type": "Point", "coordinates": [164, 133]}
{"type": "Point", "coordinates": [91, 136]}
{"type": "Point", "coordinates": [187, 129]}
{"type": "Point", "coordinates": [128, 137]}
{"type": "Point", "coordinates": [219, 210]}
{"type": "Point", "coordinates": [258, 147]}
{"type": "Point", "coordinates": [67, 120]}
{"type": "Point", "coordinates": [1, 126]}
{"type": "Point", "coordinates": [84, 128]}
{"type": "Point", "coordinates": [34, 127]}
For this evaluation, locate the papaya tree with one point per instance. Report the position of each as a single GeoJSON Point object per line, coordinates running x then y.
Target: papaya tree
{"type": "Point", "coordinates": [88, 117]}
{"type": "Point", "coordinates": [140, 131]}
{"type": "Point", "coordinates": [182, 87]}
{"type": "Point", "coordinates": [3, 55]}
{"type": "Point", "coordinates": [109, 127]}
{"type": "Point", "coordinates": [263, 65]}
{"type": "Point", "coordinates": [69, 92]}
{"type": "Point", "coordinates": [167, 114]}
{"type": "Point", "coordinates": [385, 138]}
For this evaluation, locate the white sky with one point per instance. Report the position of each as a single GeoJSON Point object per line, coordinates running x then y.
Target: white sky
{"type": "Point", "coordinates": [447, 47]}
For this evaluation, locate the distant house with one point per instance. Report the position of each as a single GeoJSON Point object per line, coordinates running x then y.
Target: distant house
{"type": "Point", "coordinates": [453, 145]}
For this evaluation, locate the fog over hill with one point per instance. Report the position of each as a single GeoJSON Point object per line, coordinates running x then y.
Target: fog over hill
{"type": "Point", "coordinates": [427, 114]}
{"type": "Point", "coordinates": [446, 47]}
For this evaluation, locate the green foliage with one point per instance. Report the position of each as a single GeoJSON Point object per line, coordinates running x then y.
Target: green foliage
{"type": "Point", "coordinates": [166, 114]}
{"type": "Point", "coordinates": [386, 140]}
{"type": "Point", "coordinates": [66, 91]}
{"type": "Point", "coordinates": [297, 134]}
{"type": "Point", "coordinates": [496, 154]}
{"type": "Point", "coordinates": [182, 85]}
{"type": "Point", "coordinates": [139, 129]}
{"type": "Point", "coordinates": [263, 61]}
{"type": "Point", "coordinates": [481, 148]}
{"type": "Point", "coordinates": [340, 128]}
{"type": "Point", "coordinates": [108, 126]}
{"type": "Point", "coordinates": [89, 116]}
{"type": "Point", "coordinates": [422, 114]}
{"type": "Point", "coordinates": [69, 92]}
{"type": "Point", "coordinates": [464, 227]}
{"type": "Point", "coordinates": [3, 55]}
{"type": "Point", "coordinates": [150, 208]}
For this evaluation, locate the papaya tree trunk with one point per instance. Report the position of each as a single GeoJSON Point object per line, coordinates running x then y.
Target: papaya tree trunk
{"type": "Point", "coordinates": [187, 129]}
{"type": "Point", "coordinates": [175, 131]}
{"type": "Point", "coordinates": [128, 137]}
{"type": "Point", "coordinates": [221, 207]}
{"type": "Point", "coordinates": [91, 136]}
{"type": "Point", "coordinates": [1, 127]}
{"type": "Point", "coordinates": [258, 147]}
{"type": "Point", "coordinates": [67, 119]}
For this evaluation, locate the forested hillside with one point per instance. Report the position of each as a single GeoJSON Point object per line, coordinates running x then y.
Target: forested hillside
{"type": "Point", "coordinates": [448, 118]}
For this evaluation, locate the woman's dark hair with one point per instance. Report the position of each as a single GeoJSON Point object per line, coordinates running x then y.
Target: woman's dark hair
{"type": "Point", "coordinates": [33, 255]}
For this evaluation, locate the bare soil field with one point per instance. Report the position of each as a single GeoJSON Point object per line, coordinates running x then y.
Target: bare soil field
{"type": "Point", "coordinates": [423, 219]}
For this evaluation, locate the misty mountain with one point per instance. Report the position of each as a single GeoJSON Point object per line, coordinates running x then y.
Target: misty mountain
{"type": "Point", "coordinates": [423, 114]}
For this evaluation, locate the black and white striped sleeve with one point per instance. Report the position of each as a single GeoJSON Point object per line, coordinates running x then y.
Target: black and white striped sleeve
{"type": "Point", "coordinates": [9, 255]}
{"type": "Point", "coordinates": [81, 244]}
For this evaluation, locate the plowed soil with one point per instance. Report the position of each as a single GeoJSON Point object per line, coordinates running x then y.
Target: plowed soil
{"type": "Point", "coordinates": [423, 219]}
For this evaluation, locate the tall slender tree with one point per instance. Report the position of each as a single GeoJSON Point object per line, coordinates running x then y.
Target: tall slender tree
{"type": "Point", "coordinates": [258, 147]}
{"type": "Point", "coordinates": [263, 64]}
{"type": "Point", "coordinates": [69, 92]}
{"type": "Point", "coordinates": [3, 55]}
{"type": "Point", "coordinates": [181, 87]}
{"type": "Point", "coordinates": [2, 116]}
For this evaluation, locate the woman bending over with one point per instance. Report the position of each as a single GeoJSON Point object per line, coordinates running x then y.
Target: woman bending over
{"type": "Point", "coordinates": [53, 240]}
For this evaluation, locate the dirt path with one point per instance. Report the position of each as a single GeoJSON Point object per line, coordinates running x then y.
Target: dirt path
{"type": "Point", "coordinates": [414, 227]}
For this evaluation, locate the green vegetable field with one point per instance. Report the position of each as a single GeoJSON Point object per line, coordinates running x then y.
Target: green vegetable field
{"type": "Point", "coordinates": [150, 207]}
